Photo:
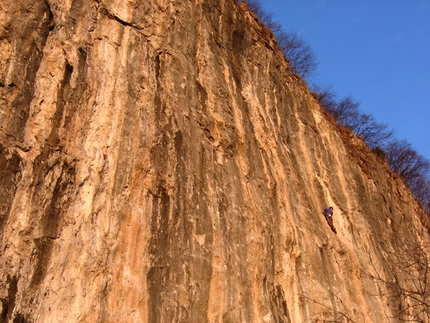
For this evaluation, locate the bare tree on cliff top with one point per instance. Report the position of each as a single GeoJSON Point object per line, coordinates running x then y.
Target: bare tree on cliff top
{"type": "Point", "coordinates": [413, 167]}
{"type": "Point", "coordinates": [346, 112]}
{"type": "Point", "coordinates": [300, 55]}
{"type": "Point", "coordinates": [302, 58]}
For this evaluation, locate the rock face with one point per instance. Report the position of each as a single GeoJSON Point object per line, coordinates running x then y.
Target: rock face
{"type": "Point", "coordinates": [160, 163]}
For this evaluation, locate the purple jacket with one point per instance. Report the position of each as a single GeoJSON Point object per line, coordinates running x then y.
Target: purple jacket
{"type": "Point", "coordinates": [328, 212]}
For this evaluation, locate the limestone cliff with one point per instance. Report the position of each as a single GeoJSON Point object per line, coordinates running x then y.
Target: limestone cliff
{"type": "Point", "coordinates": [160, 163]}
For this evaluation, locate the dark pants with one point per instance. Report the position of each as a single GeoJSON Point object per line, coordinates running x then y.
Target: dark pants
{"type": "Point", "coordinates": [330, 223]}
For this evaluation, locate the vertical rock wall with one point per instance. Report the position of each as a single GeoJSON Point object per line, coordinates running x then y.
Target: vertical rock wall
{"type": "Point", "coordinates": [160, 163]}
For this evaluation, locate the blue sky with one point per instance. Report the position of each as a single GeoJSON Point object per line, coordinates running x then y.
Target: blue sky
{"type": "Point", "coordinates": [377, 51]}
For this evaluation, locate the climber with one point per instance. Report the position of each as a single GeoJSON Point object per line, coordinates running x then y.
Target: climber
{"type": "Point", "coordinates": [328, 214]}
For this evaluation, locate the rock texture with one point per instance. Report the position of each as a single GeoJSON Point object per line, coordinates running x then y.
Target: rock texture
{"type": "Point", "coordinates": [160, 163]}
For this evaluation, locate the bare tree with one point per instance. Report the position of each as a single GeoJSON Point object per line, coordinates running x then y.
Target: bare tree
{"type": "Point", "coordinates": [421, 189]}
{"type": "Point", "coordinates": [406, 282]}
{"type": "Point", "coordinates": [375, 134]}
{"type": "Point", "coordinates": [346, 112]}
{"type": "Point", "coordinates": [330, 313]}
{"type": "Point", "coordinates": [413, 167]}
{"type": "Point", "coordinates": [404, 160]}
{"type": "Point", "coordinates": [300, 55]}
{"type": "Point", "coordinates": [326, 97]}
{"type": "Point", "coordinates": [343, 111]}
{"type": "Point", "coordinates": [265, 16]}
